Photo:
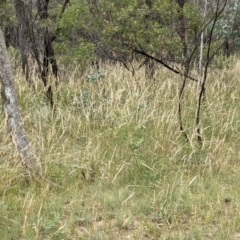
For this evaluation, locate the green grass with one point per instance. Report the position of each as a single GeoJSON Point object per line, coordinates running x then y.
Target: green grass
{"type": "Point", "coordinates": [116, 165]}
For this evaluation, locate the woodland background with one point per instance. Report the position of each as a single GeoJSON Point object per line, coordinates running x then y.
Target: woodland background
{"type": "Point", "coordinates": [132, 109]}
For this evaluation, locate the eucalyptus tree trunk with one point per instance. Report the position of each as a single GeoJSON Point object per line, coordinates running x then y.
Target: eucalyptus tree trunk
{"type": "Point", "coordinates": [48, 54]}
{"type": "Point", "coordinates": [201, 47]}
{"type": "Point", "coordinates": [25, 33]}
{"type": "Point", "coordinates": [12, 113]}
{"type": "Point", "coordinates": [182, 29]}
{"type": "Point", "coordinates": [27, 39]}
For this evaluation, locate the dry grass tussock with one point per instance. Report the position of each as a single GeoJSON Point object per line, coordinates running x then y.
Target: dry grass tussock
{"type": "Point", "coordinates": [116, 165]}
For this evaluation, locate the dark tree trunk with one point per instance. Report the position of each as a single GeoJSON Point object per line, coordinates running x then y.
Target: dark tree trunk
{"type": "Point", "coordinates": [227, 48]}
{"type": "Point", "coordinates": [181, 29]}
{"type": "Point", "coordinates": [27, 43]}
{"type": "Point", "coordinates": [48, 54]}
{"type": "Point", "coordinates": [24, 39]}
{"type": "Point", "coordinates": [42, 7]}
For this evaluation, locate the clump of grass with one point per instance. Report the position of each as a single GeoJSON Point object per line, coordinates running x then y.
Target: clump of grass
{"type": "Point", "coordinates": [116, 165]}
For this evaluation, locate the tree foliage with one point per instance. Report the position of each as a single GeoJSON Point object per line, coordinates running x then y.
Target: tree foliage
{"type": "Point", "coordinates": [98, 29]}
{"type": "Point", "coordinates": [173, 33]}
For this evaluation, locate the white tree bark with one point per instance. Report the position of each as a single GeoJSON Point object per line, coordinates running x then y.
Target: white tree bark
{"type": "Point", "coordinates": [12, 113]}
{"type": "Point", "coordinates": [201, 49]}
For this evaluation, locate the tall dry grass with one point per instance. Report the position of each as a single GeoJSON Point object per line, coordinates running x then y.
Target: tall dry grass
{"type": "Point", "coordinates": [116, 165]}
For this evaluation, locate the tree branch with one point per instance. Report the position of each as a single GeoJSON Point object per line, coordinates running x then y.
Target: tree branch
{"type": "Point", "coordinates": [142, 52]}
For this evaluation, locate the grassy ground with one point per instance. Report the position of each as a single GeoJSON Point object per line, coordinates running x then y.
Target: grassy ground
{"type": "Point", "coordinates": [116, 165]}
